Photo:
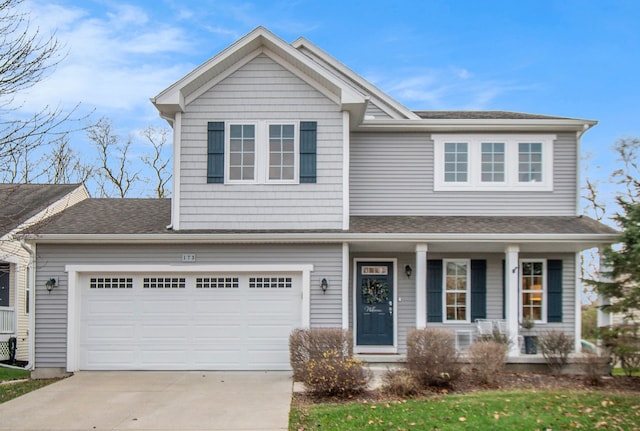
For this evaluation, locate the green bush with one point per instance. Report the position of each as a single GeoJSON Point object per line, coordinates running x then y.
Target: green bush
{"type": "Point", "coordinates": [432, 358]}
{"type": "Point", "coordinates": [555, 347]}
{"type": "Point", "coordinates": [624, 344]}
{"type": "Point", "coordinates": [336, 375]}
{"type": "Point", "coordinates": [307, 344]}
{"type": "Point", "coordinates": [488, 358]}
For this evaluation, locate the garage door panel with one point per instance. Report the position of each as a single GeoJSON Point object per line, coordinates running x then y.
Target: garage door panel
{"type": "Point", "coordinates": [236, 327]}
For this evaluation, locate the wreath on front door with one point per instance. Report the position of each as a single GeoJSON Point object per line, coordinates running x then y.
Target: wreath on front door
{"type": "Point", "coordinates": [374, 291]}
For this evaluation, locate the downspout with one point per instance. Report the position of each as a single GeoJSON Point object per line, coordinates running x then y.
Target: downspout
{"type": "Point", "coordinates": [31, 282]}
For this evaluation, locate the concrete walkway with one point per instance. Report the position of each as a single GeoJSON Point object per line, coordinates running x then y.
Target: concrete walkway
{"type": "Point", "coordinates": [153, 401]}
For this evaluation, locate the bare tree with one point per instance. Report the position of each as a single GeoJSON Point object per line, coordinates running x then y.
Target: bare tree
{"type": "Point", "coordinates": [26, 57]}
{"type": "Point", "coordinates": [157, 162]}
{"type": "Point", "coordinates": [115, 175]}
{"type": "Point", "coordinates": [628, 150]}
{"type": "Point", "coordinates": [63, 166]}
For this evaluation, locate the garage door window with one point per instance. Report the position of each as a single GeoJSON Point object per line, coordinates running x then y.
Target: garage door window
{"type": "Point", "coordinates": [270, 282]}
{"type": "Point", "coordinates": [110, 283]}
{"type": "Point", "coordinates": [163, 282]}
{"type": "Point", "coordinates": [217, 283]}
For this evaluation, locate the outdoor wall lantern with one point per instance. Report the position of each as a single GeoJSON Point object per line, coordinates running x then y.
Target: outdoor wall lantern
{"type": "Point", "coordinates": [324, 284]}
{"type": "Point", "coordinates": [50, 284]}
{"type": "Point", "coordinates": [408, 270]}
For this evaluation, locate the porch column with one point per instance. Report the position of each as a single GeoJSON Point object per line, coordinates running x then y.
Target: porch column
{"type": "Point", "coordinates": [511, 296]}
{"type": "Point", "coordinates": [421, 286]}
{"type": "Point", "coordinates": [604, 318]}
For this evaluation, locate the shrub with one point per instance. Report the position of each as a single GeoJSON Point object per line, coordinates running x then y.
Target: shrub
{"type": "Point", "coordinates": [400, 382]}
{"type": "Point", "coordinates": [624, 343]}
{"type": "Point", "coordinates": [555, 347]}
{"type": "Point", "coordinates": [488, 359]}
{"type": "Point", "coordinates": [495, 337]}
{"type": "Point", "coordinates": [593, 364]}
{"type": "Point", "coordinates": [307, 344]}
{"type": "Point", "coordinates": [335, 374]}
{"type": "Point", "coordinates": [432, 358]}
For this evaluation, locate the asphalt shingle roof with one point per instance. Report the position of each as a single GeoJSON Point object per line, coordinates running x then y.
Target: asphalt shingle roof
{"type": "Point", "coordinates": [19, 202]}
{"type": "Point", "coordinates": [484, 115]}
{"type": "Point", "coordinates": [152, 216]}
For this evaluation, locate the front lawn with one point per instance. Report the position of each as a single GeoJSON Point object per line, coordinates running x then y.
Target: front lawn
{"type": "Point", "coordinates": [12, 374]}
{"type": "Point", "coordinates": [12, 390]}
{"type": "Point", "coordinates": [490, 410]}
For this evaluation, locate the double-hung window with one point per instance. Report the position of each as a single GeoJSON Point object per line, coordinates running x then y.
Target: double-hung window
{"type": "Point", "coordinates": [282, 152]}
{"type": "Point", "coordinates": [261, 152]}
{"type": "Point", "coordinates": [457, 283]}
{"type": "Point", "coordinates": [242, 152]}
{"type": "Point", "coordinates": [493, 162]}
{"type": "Point", "coordinates": [533, 289]}
{"type": "Point", "coordinates": [456, 158]}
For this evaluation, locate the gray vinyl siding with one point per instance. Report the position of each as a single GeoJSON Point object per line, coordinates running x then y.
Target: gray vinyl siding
{"type": "Point", "coordinates": [261, 90]}
{"type": "Point", "coordinates": [406, 305]}
{"type": "Point", "coordinates": [392, 174]}
{"type": "Point", "coordinates": [494, 289]}
{"type": "Point", "coordinates": [375, 111]}
{"type": "Point", "coordinates": [51, 317]}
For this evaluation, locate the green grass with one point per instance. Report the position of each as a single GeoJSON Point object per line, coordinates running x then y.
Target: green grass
{"type": "Point", "coordinates": [12, 374]}
{"type": "Point", "coordinates": [495, 410]}
{"type": "Point", "coordinates": [620, 372]}
{"type": "Point", "coordinates": [14, 390]}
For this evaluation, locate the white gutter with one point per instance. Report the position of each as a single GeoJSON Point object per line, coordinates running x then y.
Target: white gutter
{"type": "Point", "coordinates": [319, 237]}
{"type": "Point", "coordinates": [470, 124]}
{"type": "Point", "coordinates": [31, 280]}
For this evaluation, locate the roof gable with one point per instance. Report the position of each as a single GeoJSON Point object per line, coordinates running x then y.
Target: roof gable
{"type": "Point", "coordinates": [22, 202]}
{"type": "Point", "coordinates": [383, 101]}
{"type": "Point", "coordinates": [259, 41]}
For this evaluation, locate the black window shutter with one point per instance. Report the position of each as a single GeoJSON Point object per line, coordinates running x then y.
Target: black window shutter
{"type": "Point", "coordinates": [434, 291]}
{"type": "Point", "coordinates": [308, 141]}
{"type": "Point", "coordinates": [215, 152]}
{"type": "Point", "coordinates": [478, 289]}
{"type": "Point", "coordinates": [554, 291]}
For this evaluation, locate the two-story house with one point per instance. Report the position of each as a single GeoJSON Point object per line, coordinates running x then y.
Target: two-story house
{"type": "Point", "coordinates": [303, 196]}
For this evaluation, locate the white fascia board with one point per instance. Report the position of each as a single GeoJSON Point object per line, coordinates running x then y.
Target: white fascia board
{"type": "Point", "coordinates": [372, 89]}
{"type": "Point", "coordinates": [478, 125]}
{"type": "Point", "coordinates": [319, 238]}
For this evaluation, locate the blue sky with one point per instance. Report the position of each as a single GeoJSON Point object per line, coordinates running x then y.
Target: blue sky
{"type": "Point", "coordinates": [566, 58]}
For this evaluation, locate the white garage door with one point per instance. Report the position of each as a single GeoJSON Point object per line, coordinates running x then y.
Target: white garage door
{"type": "Point", "coordinates": [187, 321]}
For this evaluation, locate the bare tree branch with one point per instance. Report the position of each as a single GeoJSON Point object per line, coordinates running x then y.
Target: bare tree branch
{"type": "Point", "coordinates": [158, 164]}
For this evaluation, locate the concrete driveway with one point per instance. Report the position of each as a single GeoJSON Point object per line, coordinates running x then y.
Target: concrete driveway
{"type": "Point", "coordinates": [155, 400]}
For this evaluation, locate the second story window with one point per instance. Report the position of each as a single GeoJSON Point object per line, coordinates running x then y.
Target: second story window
{"type": "Point", "coordinates": [242, 152]}
{"type": "Point", "coordinates": [484, 162]}
{"type": "Point", "coordinates": [492, 162]}
{"type": "Point", "coordinates": [529, 162]}
{"type": "Point", "coordinates": [261, 152]}
{"type": "Point", "coordinates": [282, 152]}
{"type": "Point", "coordinates": [456, 158]}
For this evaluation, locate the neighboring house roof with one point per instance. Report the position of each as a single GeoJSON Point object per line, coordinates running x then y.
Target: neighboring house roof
{"type": "Point", "coordinates": [152, 216]}
{"type": "Point", "coordinates": [20, 202]}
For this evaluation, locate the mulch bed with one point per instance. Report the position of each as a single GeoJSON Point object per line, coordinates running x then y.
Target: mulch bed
{"type": "Point", "coordinates": [504, 381]}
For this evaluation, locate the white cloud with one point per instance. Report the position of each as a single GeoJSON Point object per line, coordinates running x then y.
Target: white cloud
{"type": "Point", "coordinates": [444, 89]}
{"type": "Point", "coordinates": [115, 61]}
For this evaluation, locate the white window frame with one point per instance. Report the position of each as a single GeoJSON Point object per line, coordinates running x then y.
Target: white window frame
{"type": "Point", "coordinates": [521, 290]}
{"type": "Point", "coordinates": [467, 319]}
{"type": "Point", "coordinates": [227, 153]}
{"type": "Point", "coordinates": [296, 152]}
{"type": "Point", "coordinates": [511, 142]}
{"type": "Point", "coordinates": [262, 154]}
{"type": "Point", "coordinates": [456, 163]}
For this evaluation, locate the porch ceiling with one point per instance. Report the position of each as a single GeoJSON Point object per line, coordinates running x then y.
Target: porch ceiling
{"type": "Point", "coordinates": [470, 247]}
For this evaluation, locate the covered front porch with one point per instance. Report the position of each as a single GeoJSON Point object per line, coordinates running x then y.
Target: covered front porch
{"type": "Point", "coordinates": [461, 286]}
